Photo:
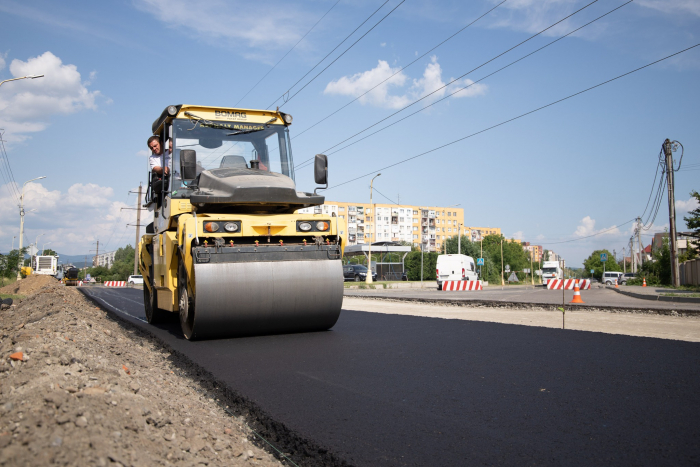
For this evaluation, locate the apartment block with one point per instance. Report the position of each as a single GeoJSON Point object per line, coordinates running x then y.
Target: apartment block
{"type": "Point", "coordinates": [535, 251]}
{"type": "Point", "coordinates": [430, 225]}
{"type": "Point", "coordinates": [104, 259]}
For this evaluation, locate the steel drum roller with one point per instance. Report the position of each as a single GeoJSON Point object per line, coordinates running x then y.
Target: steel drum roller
{"type": "Point", "coordinates": [249, 298]}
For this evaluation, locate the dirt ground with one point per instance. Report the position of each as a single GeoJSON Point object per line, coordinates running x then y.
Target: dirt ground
{"type": "Point", "coordinates": [79, 388]}
{"type": "Point", "coordinates": [27, 286]}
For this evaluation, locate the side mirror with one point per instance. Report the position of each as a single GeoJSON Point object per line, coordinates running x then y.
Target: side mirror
{"type": "Point", "coordinates": [321, 170]}
{"type": "Point", "coordinates": [188, 164]}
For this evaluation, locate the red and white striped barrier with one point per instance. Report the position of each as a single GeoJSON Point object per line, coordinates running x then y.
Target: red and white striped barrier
{"type": "Point", "coordinates": [461, 285]}
{"type": "Point", "coordinates": [568, 284]}
{"type": "Point", "coordinates": [115, 283]}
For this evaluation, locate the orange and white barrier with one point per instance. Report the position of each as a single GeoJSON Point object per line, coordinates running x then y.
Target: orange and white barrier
{"type": "Point", "coordinates": [568, 284]}
{"type": "Point", "coordinates": [115, 283]}
{"type": "Point", "coordinates": [461, 285]}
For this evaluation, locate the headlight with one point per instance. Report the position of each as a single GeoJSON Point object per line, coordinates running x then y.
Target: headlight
{"type": "Point", "coordinates": [288, 119]}
{"type": "Point", "coordinates": [322, 226]}
{"type": "Point", "coordinates": [231, 227]}
{"type": "Point", "coordinates": [211, 226]}
{"type": "Point", "coordinates": [172, 110]}
{"type": "Point", "coordinates": [304, 226]}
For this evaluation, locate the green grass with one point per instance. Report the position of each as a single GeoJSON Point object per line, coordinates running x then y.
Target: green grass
{"type": "Point", "coordinates": [13, 297]}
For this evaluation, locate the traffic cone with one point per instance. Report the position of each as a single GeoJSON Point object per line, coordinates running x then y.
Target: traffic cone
{"type": "Point", "coordinates": [616, 286]}
{"type": "Point", "coordinates": [577, 294]}
{"type": "Point", "coordinates": [645, 282]}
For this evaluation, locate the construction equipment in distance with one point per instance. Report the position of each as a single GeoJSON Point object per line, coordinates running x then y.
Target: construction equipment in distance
{"type": "Point", "coordinates": [227, 250]}
{"type": "Point", "coordinates": [70, 276]}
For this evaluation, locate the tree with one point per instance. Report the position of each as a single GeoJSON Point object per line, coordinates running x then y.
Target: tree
{"type": "Point", "coordinates": [49, 252]}
{"type": "Point", "coordinates": [692, 221]}
{"type": "Point", "coordinates": [10, 264]}
{"type": "Point", "coordinates": [412, 264]}
{"type": "Point", "coordinates": [594, 262]}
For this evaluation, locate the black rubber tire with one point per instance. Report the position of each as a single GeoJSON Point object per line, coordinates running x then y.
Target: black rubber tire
{"type": "Point", "coordinates": [439, 286]}
{"type": "Point", "coordinates": [185, 303]}
{"type": "Point", "coordinates": [154, 315]}
{"type": "Point", "coordinates": [357, 278]}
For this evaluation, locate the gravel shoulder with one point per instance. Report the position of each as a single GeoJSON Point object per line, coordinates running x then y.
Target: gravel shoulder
{"type": "Point", "coordinates": [81, 388]}
{"type": "Point", "coordinates": [630, 323]}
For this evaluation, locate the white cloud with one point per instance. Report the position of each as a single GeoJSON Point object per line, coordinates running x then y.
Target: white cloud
{"type": "Point", "coordinates": [676, 7]}
{"type": "Point", "coordinates": [27, 105]}
{"type": "Point", "coordinates": [261, 25]}
{"type": "Point", "coordinates": [383, 44]}
{"type": "Point", "coordinates": [143, 153]}
{"type": "Point", "coordinates": [88, 213]}
{"type": "Point", "coordinates": [360, 83]}
{"type": "Point", "coordinates": [686, 206]}
{"type": "Point", "coordinates": [2, 62]}
{"type": "Point", "coordinates": [517, 235]}
{"type": "Point", "coordinates": [430, 82]}
{"type": "Point", "coordinates": [587, 227]}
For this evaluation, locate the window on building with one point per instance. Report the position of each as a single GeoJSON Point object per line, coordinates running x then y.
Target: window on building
{"type": "Point", "coordinates": [342, 217]}
{"type": "Point", "coordinates": [415, 213]}
{"type": "Point", "coordinates": [341, 233]}
{"type": "Point", "coordinates": [386, 219]}
{"type": "Point", "coordinates": [341, 209]}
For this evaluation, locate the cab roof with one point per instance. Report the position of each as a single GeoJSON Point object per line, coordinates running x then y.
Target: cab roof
{"type": "Point", "coordinates": [225, 114]}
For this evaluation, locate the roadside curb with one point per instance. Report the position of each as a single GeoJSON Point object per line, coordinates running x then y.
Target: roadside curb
{"type": "Point", "coordinates": [547, 306]}
{"type": "Point", "coordinates": [659, 298]}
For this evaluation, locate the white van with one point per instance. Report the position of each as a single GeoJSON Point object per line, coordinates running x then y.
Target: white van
{"type": "Point", "coordinates": [609, 277]}
{"type": "Point", "coordinates": [455, 268]}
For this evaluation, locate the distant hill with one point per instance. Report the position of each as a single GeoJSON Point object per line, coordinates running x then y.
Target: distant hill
{"type": "Point", "coordinates": [76, 260]}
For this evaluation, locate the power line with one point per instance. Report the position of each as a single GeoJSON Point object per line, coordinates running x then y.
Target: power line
{"type": "Point", "coordinates": [285, 55]}
{"type": "Point", "coordinates": [456, 79]}
{"type": "Point", "coordinates": [10, 175]}
{"type": "Point", "coordinates": [321, 61]}
{"type": "Point", "coordinates": [343, 53]}
{"type": "Point", "coordinates": [515, 118]}
{"type": "Point", "coordinates": [468, 86]}
{"type": "Point", "coordinates": [397, 72]}
{"type": "Point", "coordinates": [589, 236]}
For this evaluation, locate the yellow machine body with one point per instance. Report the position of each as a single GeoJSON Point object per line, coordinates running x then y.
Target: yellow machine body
{"type": "Point", "coordinates": [257, 271]}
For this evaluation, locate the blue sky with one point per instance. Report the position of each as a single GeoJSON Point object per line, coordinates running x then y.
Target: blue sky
{"type": "Point", "coordinates": [571, 170]}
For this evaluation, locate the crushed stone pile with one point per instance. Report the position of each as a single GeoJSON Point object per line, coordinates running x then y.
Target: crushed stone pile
{"type": "Point", "coordinates": [80, 388]}
{"type": "Point", "coordinates": [29, 285]}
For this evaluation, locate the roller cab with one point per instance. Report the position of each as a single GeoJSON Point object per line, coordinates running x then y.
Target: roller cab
{"type": "Point", "coordinates": [227, 250]}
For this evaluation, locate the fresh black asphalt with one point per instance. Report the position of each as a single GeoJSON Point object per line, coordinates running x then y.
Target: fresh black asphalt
{"type": "Point", "coordinates": [392, 390]}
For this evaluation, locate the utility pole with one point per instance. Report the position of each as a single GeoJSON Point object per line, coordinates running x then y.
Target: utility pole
{"type": "Point", "coordinates": [668, 147]}
{"type": "Point", "coordinates": [503, 283]}
{"type": "Point", "coordinates": [639, 240]}
{"type": "Point", "coordinates": [624, 262]}
{"type": "Point", "coordinates": [459, 239]}
{"type": "Point", "coordinates": [633, 262]}
{"type": "Point", "coordinates": [138, 232]}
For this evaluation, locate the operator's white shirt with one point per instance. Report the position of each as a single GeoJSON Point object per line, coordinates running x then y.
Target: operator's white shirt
{"type": "Point", "coordinates": [154, 160]}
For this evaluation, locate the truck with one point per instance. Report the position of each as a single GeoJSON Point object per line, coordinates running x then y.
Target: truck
{"type": "Point", "coordinates": [45, 265]}
{"type": "Point", "coordinates": [454, 268]}
{"type": "Point", "coordinates": [227, 251]}
{"type": "Point", "coordinates": [551, 270]}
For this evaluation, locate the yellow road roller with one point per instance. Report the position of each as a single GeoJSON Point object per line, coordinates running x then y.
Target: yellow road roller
{"type": "Point", "coordinates": [234, 249]}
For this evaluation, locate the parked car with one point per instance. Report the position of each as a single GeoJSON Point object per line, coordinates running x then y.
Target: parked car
{"type": "Point", "coordinates": [356, 272]}
{"type": "Point", "coordinates": [135, 280]}
{"type": "Point", "coordinates": [625, 277]}
{"type": "Point", "coordinates": [609, 277]}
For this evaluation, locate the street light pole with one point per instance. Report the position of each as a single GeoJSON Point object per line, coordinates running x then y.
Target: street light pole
{"type": "Point", "coordinates": [21, 216]}
{"type": "Point", "coordinates": [368, 276]}
{"type": "Point", "coordinates": [23, 77]}
{"type": "Point", "coordinates": [43, 249]}
{"type": "Point", "coordinates": [13, 243]}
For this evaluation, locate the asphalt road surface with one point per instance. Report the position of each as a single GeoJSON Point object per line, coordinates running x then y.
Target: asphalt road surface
{"type": "Point", "coordinates": [395, 390]}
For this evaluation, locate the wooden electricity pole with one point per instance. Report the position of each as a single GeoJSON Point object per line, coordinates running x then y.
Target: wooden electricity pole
{"type": "Point", "coordinates": [138, 232]}
{"type": "Point", "coordinates": [675, 276]}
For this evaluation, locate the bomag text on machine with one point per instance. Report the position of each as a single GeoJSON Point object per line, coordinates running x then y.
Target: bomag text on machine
{"type": "Point", "coordinates": [227, 250]}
